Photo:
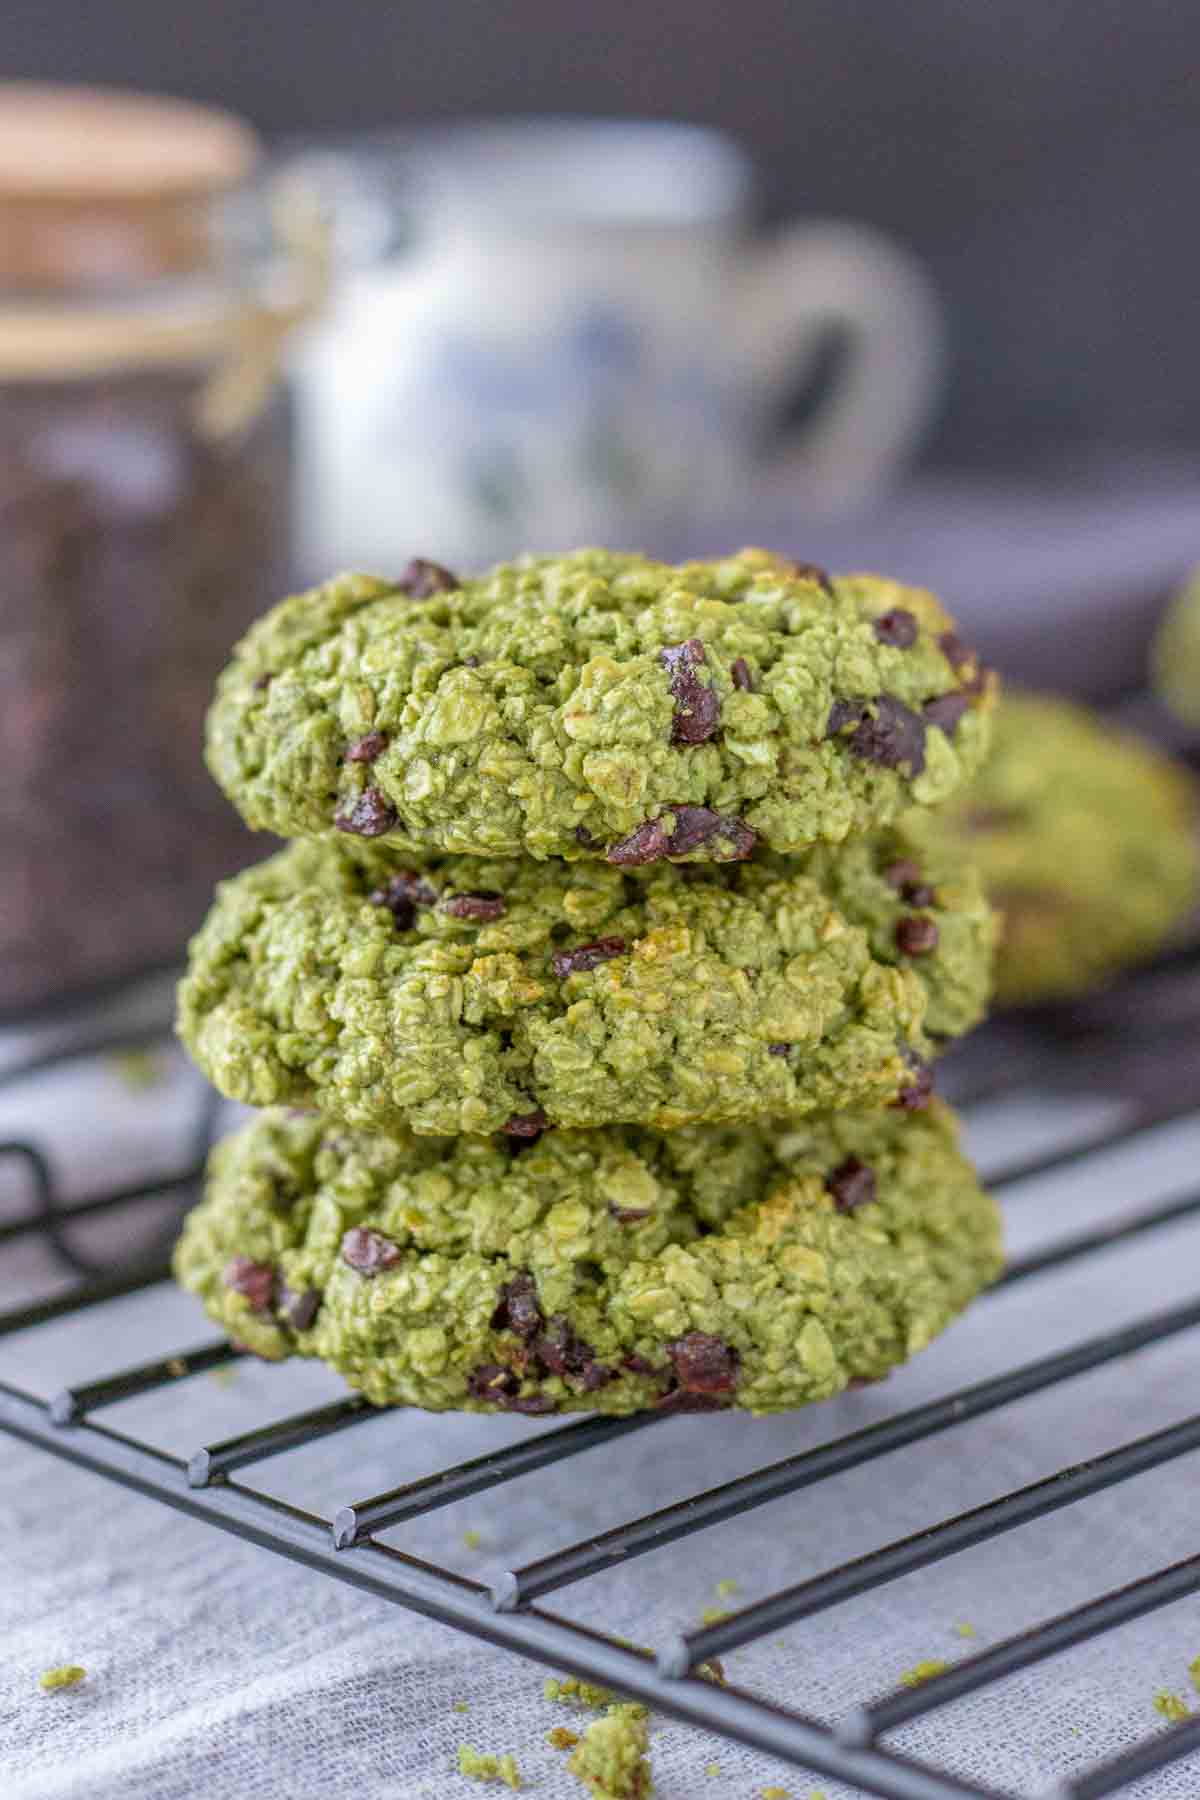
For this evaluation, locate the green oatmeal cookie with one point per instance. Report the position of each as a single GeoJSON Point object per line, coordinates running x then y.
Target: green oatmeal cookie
{"type": "Point", "coordinates": [1085, 838]}
{"type": "Point", "coordinates": [594, 1271]}
{"type": "Point", "coordinates": [475, 994]}
{"type": "Point", "coordinates": [1175, 654]}
{"type": "Point", "coordinates": [599, 705]}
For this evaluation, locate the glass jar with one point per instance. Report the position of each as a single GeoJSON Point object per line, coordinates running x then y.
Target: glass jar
{"type": "Point", "coordinates": [144, 513]}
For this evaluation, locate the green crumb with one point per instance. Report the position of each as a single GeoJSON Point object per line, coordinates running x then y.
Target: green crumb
{"type": "Point", "coordinates": [65, 1676]}
{"type": "Point", "coordinates": [488, 1768]}
{"type": "Point", "coordinates": [725, 1588]}
{"type": "Point", "coordinates": [712, 1615]}
{"type": "Point", "coordinates": [472, 1539]}
{"type": "Point", "coordinates": [712, 1669]}
{"type": "Point", "coordinates": [462, 1706]}
{"type": "Point", "coordinates": [923, 1671]}
{"type": "Point", "coordinates": [583, 1693]}
{"type": "Point", "coordinates": [224, 1377]}
{"type": "Point", "coordinates": [965, 1629]}
{"type": "Point", "coordinates": [712, 1768]}
{"type": "Point", "coordinates": [1172, 1706]}
{"type": "Point", "coordinates": [562, 1739]}
{"type": "Point", "coordinates": [1194, 1672]}
{"type": "Point", "coordinates": [612, 1760]}
{"type": "Point", "coordinates": [774, 1793]}
{"type": "Point", "coordinates": [137, 1070]}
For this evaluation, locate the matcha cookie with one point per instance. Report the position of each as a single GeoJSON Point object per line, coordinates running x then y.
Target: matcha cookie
{"type": "Point", "coordinates": [478, 995]}
{"type": "Point", "coordinates": [1175, 654]}
{"type": "Point", "coordinates": [1085, 839]}
{"type": "Point", "coordinates": [599, 705]}
{"type": "Point", "coordinates": [594, 1271]}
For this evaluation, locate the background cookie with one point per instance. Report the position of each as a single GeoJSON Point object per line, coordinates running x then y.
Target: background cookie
{"type": "Point", "coordinates": [482, 995]}
{"type": "Point", "coordinates": [607, 1271]}
{"type": "Point", "coordinates": [601, 705]}
{"type": "Point", "coordinates": [1175, 654]}
{"type": "Point", "coordinates": [1086, 842]}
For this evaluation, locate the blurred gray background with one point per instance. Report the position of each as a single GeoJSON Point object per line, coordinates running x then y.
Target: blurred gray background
{"type": "Point", "coordinates": [1041, 157]}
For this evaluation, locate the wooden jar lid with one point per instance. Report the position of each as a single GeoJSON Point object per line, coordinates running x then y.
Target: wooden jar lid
{"type": "Point", "coordinates": [100, 188]}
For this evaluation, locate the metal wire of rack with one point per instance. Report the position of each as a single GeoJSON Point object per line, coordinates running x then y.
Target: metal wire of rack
{"type": "Point", "coordinates": [209, 1485]}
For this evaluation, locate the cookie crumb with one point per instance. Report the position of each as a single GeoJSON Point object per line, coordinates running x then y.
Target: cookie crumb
{"type": "Point", "coordinates": [67, 1675]}
{"type": "Point", "coordinates": [712, 1768]}
{"type": "Point", "coordinates": [964, 1628]}
{"type": "Point", "coordinates": [137, 1070]}
{"type": "Point", "coordinates": [488, 1768]}
{"type": "Point", "coordinates": [712, 1615]}
{"type": "Point", "coordinates": [923, 1671]}
{"type": "Point", "coordinates": [568, 1688]}
{"type": "Point", "coordinates": [559, 1738]}
{"type": "Point", "coordinates": [1194, 1672]}
{"type": "Point", "coordinates": [725, 1588]}
{"type": "Point", "coordinates": [461, 1706]}
{"type": "Point", "coordinates": [612, 1760]}
{"type": "Point", "coordinates": [1172, 1706]}
{"type": "Point", "coordinates": [472, 1539]}
{"type": "Point", "coordinates": [774, 1793]}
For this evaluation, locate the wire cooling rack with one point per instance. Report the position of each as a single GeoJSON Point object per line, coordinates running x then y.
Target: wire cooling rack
{"type": "Point", "coordinates": [212, 1483]}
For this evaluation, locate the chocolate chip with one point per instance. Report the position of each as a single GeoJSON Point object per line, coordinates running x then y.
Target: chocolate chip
{"type": "Point", "coordinates": [526, 1125]}
{"type": "Point", "coordinates": [646, 843]}
{"type": "Point", "coordinates": [595, 1375]}
{"type": "Point", "coordinates": [638, 1365]}
{"type": "Point", "coordinates": [256, 1280]}
{"type": "Point", "coordinates": [686, 1400]}
{"type": "Point", "coordinates": [422, 578]}
{"type": "Point", "coordinates": [560, 1351]}
{"type": "Point", "coordinates": [852, 1184]}
{"type": "Point", "coordinates": [483, 907]}
{"type": "Point", "coordinates": [918, 1093]}
{"type": "Point", "coordinates": [897, 628]}
{"type": "Point", "coordinates": [369, 1251]}
{"type": "Point", "coordinates": [916, 934]}
{"type": "Point", "coordinates": [778, 1049]}
{"type": "Point", "coordinates": [962, 658]}
{"type": "Point", "coordinates": [517, 1308]}
{"type": "Point", "coordinates": [369, 817]}
{"type": "Point", "coordinates": [262, 682]}
{"type": "Point", "coordinates": [630, 1215]}
{"type": "Point", "coordinates": [532, 1404]}
{"type": "Point", "coordinates": [946, 711]}
{"type": "Point", "coordinates": [892, 735]}
{"type": "Point", "coordinates": [905, 877]}
{"type": "Point", "coordinates": [587, 956]}
{"type": "Point", "coordinates": [739, 674]}
{"type": "Point", "coordinates": [367, 748]}
{"type": "Point", "coordinates": [491, 1381]}
{"type": "Point", "coordinates": [807, 571]}
{"type": "Point", "coordinates": [704, 1364]}
{"type": "Point", "coordinates": [864, 1381]}
{"type": "Point", "coordinates": [403, 894]}
{"type": "Point", "coordinates": [698, 707]}
{"type": "Point", "coordinates": [301, 1309]}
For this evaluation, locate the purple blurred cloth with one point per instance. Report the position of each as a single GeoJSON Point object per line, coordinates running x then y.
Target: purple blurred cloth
{"type": "Point", "coordinates": [1059, 582]}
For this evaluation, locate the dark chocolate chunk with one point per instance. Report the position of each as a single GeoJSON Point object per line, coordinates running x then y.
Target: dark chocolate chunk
{"type": "Point", "coordinates": [739, 674]}
{"type": "Point", "coordinates": [646, 843]}
{"type": "Point", "coordinates": [482, 907]}
{"type": "Point", "coordinates": [518, 1309]}
{"type": "Point", "coordinates": [256, 1280]}
{"type": "Point", "coordinates": [367, 748]}
{"type": "Point", "coordinates": [527, 1125]}
{"type": "Point", "coordinates": [916, 934]}
{"type": "Point", "coordinates": [595, 1375]}
{"type": "Point", "coordinates": [687, 1400]}
{"type": "Point", "coordinates": [638, 1365]}
{"type": "Point", "coordinates": [263, 681]}
{"type": "Point", "coordinates": [703, 1363]}
{"type": "Point", "coordinates": [964, 661]}
{"type": "Point", "coordinates": [369, 1251]}
{"type": "Point", "coordinates": [587, 956]}
{"type": "Point", "coordinates": [906, 878]}
{"type": "Point", "coordinates": [915, 1097]}
{"type": "Point", "coordinates": [891, 734]}
{"type": "Point", "coordinates": [369, 817]}
{"type": "Point", "coordinates": [852, 1184]}
{"type": "Point", "coordinates": [946, 711]}
{"type": "Point", "coordinates": [491, 1381]}
{"type": "Point", "coordinates": [695, 825]}
{"type": "Point", "coordinates": [778, 1049]}
{"type": "Point", "coordinates": [533, 1404]}
{"type": "Point", "coordinates": [403, 894]}
{"type": "Point", "coordinates": [897, 628]}
{"type": "Point", "coordinates": [422, 578]}
{"type": "Point", "coordinates": [301, 1309]}
{"type": "Point", "coordinates": [560, 1351]}
{"type": "Point", "coordinates": [813, 572]}
{"type": "Point", "coordinates": [630, 1215]}
{"type": "Point", "coordinates": [697, 706]}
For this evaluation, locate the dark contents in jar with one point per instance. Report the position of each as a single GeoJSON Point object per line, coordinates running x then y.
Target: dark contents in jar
{"type": "Point", "coordinates": [133, 551]}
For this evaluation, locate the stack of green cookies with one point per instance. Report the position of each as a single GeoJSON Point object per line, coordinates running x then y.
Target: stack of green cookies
{"type": "Point", "coordinates": [593, 1007]}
